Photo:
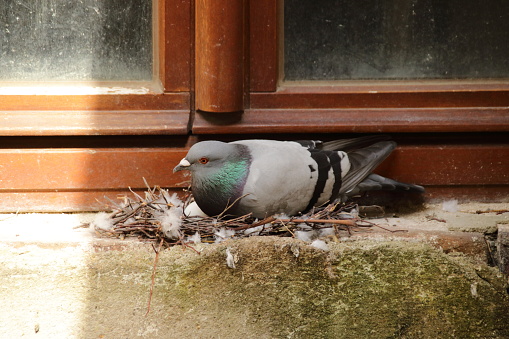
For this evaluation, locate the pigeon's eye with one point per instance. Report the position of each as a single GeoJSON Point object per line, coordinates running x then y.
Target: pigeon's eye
{"type": "Point", "coordinates": [203, 160]}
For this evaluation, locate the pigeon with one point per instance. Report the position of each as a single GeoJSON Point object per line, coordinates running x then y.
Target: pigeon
{"type": "Point", "coordinates": [269, 177]}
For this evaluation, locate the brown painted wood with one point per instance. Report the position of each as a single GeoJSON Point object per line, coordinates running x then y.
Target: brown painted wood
{"type": "Point", "coordinates": [449, 165]}
{"type": "Point", "coordinates": [337, 97]}
{"type": "Point", "coordinates": [71, 179]}
{"type": "Point", "coordinates": [95, 115]}
{"type": "Point", "coordinates": [175, 41]}
{"type": "Point", "coordinates": [131, 102]}
{"type": "Point", "coordinates": [263, 49]}
{"type": "Point", "coordinates": [95, 200]}
{"type": "Point", "coordinates": [88, 169]}
{"type": "Point", "coordinates": [355, 120]}
{"type": "Point", "coordinates": [219, 55]}
{"type": "Point", "coordinates": [94, 123]}
{"type": "Point", "coordinates": [67, 180]}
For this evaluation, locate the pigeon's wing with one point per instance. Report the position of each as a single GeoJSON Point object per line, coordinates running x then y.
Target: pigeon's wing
{"type": "Point", "coordinates": [282, 178]}
{"type": "Point", "coordinates": [348, 145]}
{"type": "Point", "coordinates": [363, 161]}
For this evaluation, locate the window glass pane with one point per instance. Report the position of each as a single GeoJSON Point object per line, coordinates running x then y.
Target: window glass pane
{"type": "Point", "coordinates": [75, 40]}
{"type": "Point", "coordinates": [396, 39]}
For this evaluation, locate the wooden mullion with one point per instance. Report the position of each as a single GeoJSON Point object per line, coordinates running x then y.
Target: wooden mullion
{"type": "Point", "coordinates": [220, 55]}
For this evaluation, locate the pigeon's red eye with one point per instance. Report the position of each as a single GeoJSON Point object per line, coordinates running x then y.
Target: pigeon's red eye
{"type": "Point", "coordinates": [203, 160]}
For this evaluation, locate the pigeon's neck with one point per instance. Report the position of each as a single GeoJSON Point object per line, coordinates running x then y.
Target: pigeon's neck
{"type": "Point", "coordinates": [231, 176]}
{"type": "Point", "coordinates": [220, 189]}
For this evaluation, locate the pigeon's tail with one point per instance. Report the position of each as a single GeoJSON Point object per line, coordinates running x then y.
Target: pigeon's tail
{"type": "Point", "coordinates": [348, 145]}
{"type": "Point", "coordinates": [375, 182]}
{"type": "Point", "coordinates": [363, 161]}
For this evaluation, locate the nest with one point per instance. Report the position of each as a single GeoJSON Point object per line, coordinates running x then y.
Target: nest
{"type": "Point", "coordinates": [158, 217]}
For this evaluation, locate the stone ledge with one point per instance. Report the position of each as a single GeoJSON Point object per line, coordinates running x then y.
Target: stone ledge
{"type": "Point", "coordinates": [62, 282]}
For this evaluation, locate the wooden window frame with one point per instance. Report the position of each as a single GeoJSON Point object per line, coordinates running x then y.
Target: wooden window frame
{"type": "Point", "coordinates": [117, 114]}
{"type": "Point", "coordinates": [275, 106]}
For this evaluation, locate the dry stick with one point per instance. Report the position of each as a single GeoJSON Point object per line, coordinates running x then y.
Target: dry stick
{"type": "Point", "coordinates": [156, 259]}
{"type": "Point", "coordinates": [386, 229]}
{"type": "Point", "coordinates": [230, 206]}
{"type": "Point", "coordinates": [321, 221]}
{"type": "Point", "coordinates": [313, 221]}
{"type": "Point", "coordinates": [490, 211]}
{"type": "Point", "coordinates": [136, 194]}
{"type": "Point", "coordinates": [261, 222]}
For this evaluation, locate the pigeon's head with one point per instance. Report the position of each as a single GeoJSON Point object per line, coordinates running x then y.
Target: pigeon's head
{"type": "Point", "coordinates": [205, 156]}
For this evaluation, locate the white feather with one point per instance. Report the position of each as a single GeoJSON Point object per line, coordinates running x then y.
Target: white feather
{"type": "Point", "coordinates": [223, 234]}
{"type": "Point", "coordinates": [306, 236]}
{"type": "Point", "coordinates": [174, 200]}
{"type": "Point", "coordinates": [103, 221]}
{"type": "Point", "coordinates": [325, 232]}
{"type": "Point", "coordinates": [254, 230]}
{"type": "Point", "coordinates": [320, 244]}
{"type": "Point", "coordinates": [230, 259]}
{"type": "Point", "coordinates": [171, 221]}
{"type": "Point", "coordinates": [195, 238]}
{"type": "Point", "coordinates": [450, 206]}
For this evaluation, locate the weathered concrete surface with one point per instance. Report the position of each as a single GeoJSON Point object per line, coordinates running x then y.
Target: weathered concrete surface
{"type": "Point", "coordinates": [280, 288]}
{"type": "Point", "coordinates": [386, 285]}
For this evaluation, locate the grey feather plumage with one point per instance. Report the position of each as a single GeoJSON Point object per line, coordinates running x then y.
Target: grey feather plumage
{"type": "Point", "coordinates": [266, 177]}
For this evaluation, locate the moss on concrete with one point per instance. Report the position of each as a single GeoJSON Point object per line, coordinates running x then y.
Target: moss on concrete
{"type": "Point", "coordinates": [359, 289]}
{"type": "Point", "coordinates": [280, 288]}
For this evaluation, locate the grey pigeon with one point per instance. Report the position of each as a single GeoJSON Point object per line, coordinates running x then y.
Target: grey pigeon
{"type": "Point", "coordinates": [267, 177]}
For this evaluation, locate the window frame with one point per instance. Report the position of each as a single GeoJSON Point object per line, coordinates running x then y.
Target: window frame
{"type": "Point", "coordinates": [276, 106]}
{"type": "Point", "coordinates": [167, 112]}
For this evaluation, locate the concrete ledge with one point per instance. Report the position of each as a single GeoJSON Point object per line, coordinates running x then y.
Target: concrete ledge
{"type": "Point", "coordinates": [73, 285]}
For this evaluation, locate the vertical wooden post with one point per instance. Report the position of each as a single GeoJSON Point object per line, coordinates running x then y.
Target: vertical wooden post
{"type": "Point", "coordinates": [219, 54]}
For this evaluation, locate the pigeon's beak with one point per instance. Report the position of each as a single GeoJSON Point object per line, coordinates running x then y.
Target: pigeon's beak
{"type": "Point", "coordinates": [183, 165]}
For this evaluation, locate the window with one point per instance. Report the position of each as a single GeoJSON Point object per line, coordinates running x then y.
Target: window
{"type": "Point", "coordinates": [417, 39]}
{"type": "Point", "coordinates": [95, 67]}
{"type": "Point", "coordinates": [374, 77]}
{"type": "Point", "coordinates": [76, 40]}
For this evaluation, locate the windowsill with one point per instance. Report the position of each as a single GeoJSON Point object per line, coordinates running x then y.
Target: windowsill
{"type": "Point", "coordinates": [379, 86]}
{"type": "Point", "coordinates": [76, 88]}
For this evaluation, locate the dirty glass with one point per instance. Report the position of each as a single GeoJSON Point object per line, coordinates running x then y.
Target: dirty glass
{"type": "Point", "coordinates": [396, 39]}
{"type": "Point", "coordinates": [75, 40]}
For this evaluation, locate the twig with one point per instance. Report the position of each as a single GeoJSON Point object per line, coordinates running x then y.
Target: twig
{"type": "Point", "coordinates": [156, 259]}
{"type": "Point", "coordinates": [230, 206]}
{"type": "Point", "coordinates": [489, 210]}
{"type": "Point", "coordinates": [347, 222]}
{"type": "Point", "coordinates": [384, 228]}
